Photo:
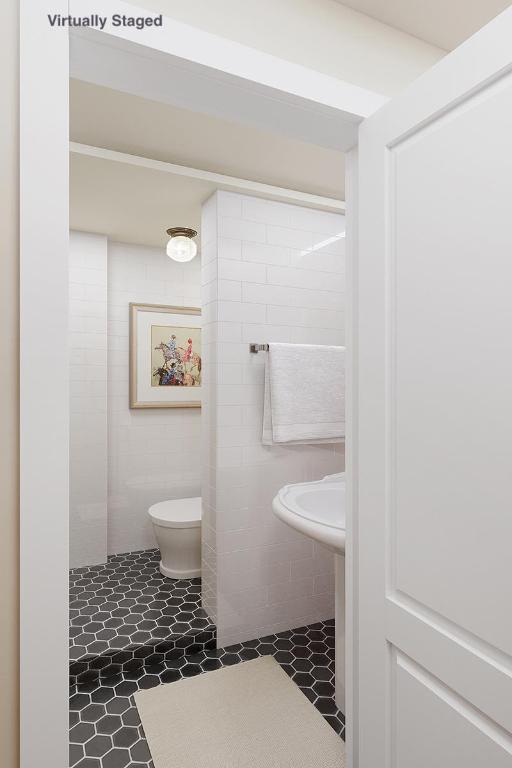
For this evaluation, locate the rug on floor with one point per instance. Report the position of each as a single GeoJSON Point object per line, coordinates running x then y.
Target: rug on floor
{"type": "Point", "coordinates": [250, 715]}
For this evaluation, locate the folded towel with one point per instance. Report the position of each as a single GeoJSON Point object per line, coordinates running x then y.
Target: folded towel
{"type": "Point", "coordinates": [304, 394]}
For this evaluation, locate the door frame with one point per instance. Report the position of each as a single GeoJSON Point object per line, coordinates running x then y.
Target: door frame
{"type": "Point", "coordinates": [278, 90]}
{"type": "Point", "coordinates": [44, 410]}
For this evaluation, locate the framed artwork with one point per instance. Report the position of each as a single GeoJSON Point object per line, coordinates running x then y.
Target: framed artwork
{"type": "Point", "coordinates": [165, 356]}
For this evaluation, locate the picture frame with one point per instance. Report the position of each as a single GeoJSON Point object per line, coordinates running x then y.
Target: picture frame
{"type": "Point", "coordinates": [165, 356]}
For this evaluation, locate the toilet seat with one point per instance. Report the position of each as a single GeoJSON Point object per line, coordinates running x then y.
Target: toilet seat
{"type": "Point", "coordinates": [177, 513]}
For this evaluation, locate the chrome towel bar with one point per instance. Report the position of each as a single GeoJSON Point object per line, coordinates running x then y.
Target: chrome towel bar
{"type": "Point", "coordinates": [255, 348]}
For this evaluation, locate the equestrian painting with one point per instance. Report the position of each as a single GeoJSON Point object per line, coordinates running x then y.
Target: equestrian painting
{"type": "Point", "coordinates": [175, 356]}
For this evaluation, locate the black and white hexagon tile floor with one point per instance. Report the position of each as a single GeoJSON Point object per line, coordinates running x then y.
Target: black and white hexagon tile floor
{"type": "Point", "coordinates": [133, 628]}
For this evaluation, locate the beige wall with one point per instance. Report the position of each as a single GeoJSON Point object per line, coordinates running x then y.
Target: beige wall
{"type": "Point", "coordinates": [9, 386]}
{"type": "Point", "coordinates": [321, 34]}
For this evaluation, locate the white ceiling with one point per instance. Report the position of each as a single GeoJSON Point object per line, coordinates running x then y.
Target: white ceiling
{"type": "Point", "coordinates": [135, 204]}
{"type": "Point", "coordinates": [132, 204]}
{"type": "Point", "coordinates": [111, 119]}
{"type": "Point", "coordinates": [444, 23]}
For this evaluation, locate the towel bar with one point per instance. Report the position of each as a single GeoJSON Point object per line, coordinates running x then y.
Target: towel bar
{"type": "Point", "coordinates": [255, 348]}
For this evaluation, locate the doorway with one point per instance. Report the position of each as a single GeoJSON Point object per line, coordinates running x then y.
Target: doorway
{"type": "Point", "coordinates": [45, 273]}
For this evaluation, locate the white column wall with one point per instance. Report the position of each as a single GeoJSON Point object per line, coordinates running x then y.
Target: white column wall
{"type": "Point", "coordinates": [87, 399]}
{"type": "Point", "coordinates": [262, 282]}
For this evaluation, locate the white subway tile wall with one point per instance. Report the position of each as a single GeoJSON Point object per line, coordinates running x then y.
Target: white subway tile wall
{"type": "Point", "coordinates": [121, 460]}
{"type": "Point", "coordinates": [153, 454]}
{"type": "Point", "coordinates": [88, 399]}
{"type": "Point", "coordinates": [273, 272]}
{"type": "Point", "coordinates": [210, 343]}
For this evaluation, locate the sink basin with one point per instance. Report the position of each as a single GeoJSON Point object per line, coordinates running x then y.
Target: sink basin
{"type": "Point", "coordinates": [316, 509]}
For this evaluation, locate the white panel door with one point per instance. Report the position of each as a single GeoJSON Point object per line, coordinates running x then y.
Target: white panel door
{"type": "Point", "coordinates": [433, 368]}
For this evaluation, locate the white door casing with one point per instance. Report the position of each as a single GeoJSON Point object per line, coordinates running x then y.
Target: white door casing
{"type": "Point", "coordinates": [433, 366]}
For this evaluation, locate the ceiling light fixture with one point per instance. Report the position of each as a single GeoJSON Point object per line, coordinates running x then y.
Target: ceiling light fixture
{"type": "Point", "coordinates": [181, 246]}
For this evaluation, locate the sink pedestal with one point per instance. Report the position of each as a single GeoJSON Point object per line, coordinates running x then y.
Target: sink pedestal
{"type": "Point", "coordinates": [317, 509]}
{"type": "Point", "coordinates": [339, 651]}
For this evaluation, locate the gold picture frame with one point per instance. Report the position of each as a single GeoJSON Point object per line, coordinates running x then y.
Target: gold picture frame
{"type": "Point", "coordinates": [179, 370]}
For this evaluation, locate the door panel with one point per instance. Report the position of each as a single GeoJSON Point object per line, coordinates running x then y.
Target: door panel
{"type": "Point", "coordinates": [442, 729]}
{"type": "Point", "coordinates": [450, 386]}
{"type": "Point", "coordinates": [433, 363]}
{"type": "Point", "coordinates": [462, 662]}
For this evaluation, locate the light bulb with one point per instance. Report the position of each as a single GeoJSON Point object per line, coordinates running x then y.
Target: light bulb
{"type": "Point", "coordinates": [181, 248]}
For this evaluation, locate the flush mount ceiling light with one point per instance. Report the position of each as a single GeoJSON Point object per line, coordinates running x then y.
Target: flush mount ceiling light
{"type": "Point", "coordinates": [181, 246]}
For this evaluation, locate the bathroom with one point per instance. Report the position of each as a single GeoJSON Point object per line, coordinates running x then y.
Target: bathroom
{"type": "Point", "coordinates": [247, 284]}
{"type": "Point", "coordinates": [179, 563]}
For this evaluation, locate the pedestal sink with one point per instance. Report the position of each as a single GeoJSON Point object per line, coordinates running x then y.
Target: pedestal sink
{"type": "Point", "coordinates": [317, 509]}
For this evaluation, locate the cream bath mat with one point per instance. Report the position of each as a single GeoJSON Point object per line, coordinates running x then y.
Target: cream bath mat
{"type": "Point", "coordinates": [250, 715]}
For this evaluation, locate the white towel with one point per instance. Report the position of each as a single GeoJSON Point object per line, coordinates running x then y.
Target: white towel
{"type": "Point", "coordinates": [304, 394]}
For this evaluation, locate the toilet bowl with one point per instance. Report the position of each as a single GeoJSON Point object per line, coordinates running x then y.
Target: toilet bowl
{"type": "Point", "coordinates": [177, 527]}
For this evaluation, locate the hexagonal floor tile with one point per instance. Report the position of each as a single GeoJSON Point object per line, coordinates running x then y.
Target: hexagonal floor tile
{"type": "Point", "coordinates": [105, 730]}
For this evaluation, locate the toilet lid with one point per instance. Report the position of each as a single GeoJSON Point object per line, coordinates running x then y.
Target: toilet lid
{"type": "Point", "coordinates": [177, 513]}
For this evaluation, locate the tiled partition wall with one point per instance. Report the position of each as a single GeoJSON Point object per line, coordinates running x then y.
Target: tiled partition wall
{"type": "Point", "coordinates": [88, 399]}
{"type": "Point", "coordinates": [153, 453]}
{"type": "Point", "coordinates": [270, 272]}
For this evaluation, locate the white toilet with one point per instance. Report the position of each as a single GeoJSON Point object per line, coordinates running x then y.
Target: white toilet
{"type": "Point", "coordinates": [177, 526]}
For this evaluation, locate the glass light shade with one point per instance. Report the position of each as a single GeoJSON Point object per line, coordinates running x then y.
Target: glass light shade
{"type": "Point", "coordinates": [181, 248]}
